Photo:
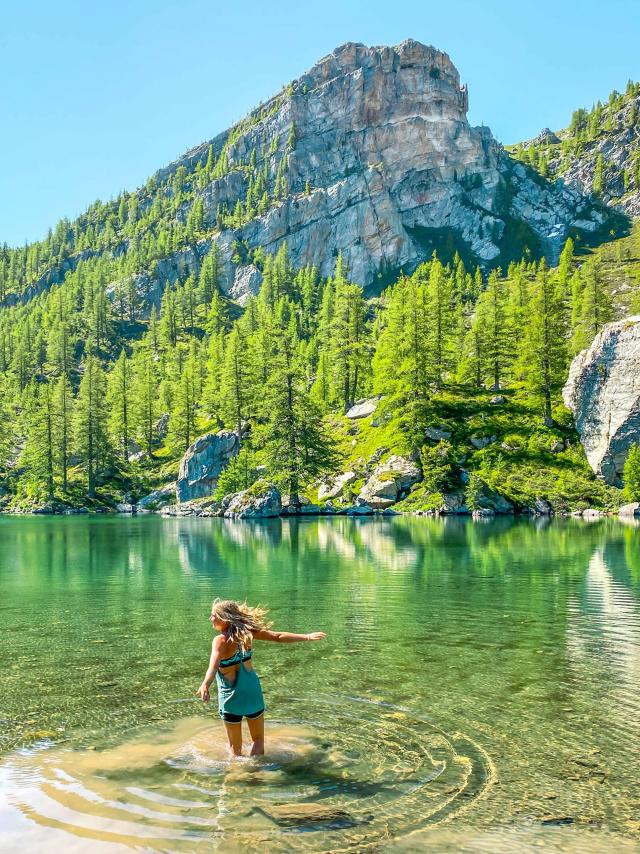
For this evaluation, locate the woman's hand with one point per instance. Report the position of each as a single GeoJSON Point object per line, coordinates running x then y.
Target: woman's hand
{"type": "Point", "coordinates": [203, 692]}
{"type": "Point", "coordinates": [316, 636]}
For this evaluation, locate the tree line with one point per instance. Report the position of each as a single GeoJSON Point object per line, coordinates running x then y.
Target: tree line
{"type": "Point", "coordinates": [91, 378]}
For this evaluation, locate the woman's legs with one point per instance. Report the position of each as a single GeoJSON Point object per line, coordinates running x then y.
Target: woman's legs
{"type": "Point", "coordinates": [256, 729]}
{"type": "Point", "coordinates": [234, 734]}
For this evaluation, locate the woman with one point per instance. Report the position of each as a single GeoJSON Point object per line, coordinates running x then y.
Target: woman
{"type": "Point", "coordinates": [239, 691]}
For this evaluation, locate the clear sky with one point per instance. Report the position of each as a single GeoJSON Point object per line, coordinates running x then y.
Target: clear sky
{"type": "Point", "coordinates": [97, 96]}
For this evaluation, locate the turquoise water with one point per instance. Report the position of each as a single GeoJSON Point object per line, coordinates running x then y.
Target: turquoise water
{"type": "Point", "coordinates": [479, 688]}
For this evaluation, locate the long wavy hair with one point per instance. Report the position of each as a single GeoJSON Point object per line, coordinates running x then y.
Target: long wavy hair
{"type": "Point", "coordinates": [243, 620]}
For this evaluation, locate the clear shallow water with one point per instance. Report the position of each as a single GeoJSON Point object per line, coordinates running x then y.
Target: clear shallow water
{"type": "Point", "coordinates": [479, 688]}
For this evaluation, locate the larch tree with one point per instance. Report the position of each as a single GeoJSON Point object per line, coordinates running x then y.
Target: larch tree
{"type": "Point", "coordinates": [119, 402]}
{"type": "Point", "coordinates": [90, 421]}
{"type": "Point", "coordinates": [544, 342]}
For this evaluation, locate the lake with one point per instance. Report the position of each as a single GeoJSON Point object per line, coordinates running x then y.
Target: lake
{"type": "Point", "coordinates": [479, 688]}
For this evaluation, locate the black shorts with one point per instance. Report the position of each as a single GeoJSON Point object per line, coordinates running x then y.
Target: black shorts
{"type": "Point", "coordinates": [230, 718]}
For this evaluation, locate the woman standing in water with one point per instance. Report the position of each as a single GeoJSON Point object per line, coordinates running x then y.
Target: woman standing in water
{"type": "Point", "coordinates": [239, 691]}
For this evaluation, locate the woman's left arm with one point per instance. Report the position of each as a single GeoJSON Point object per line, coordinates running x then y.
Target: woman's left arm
{"type": "Point", "coordinates": [287, 637]}
{"type": "Point", "coordinates": [214, 663]}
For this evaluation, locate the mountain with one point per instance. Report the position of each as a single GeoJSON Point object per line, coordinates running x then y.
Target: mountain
{"type": "Point", "coordinates": [369, 154]}
{"type": "Point", "coordinates": [124, 349]}
{"type": "Point", "coordinates": [599, 152]}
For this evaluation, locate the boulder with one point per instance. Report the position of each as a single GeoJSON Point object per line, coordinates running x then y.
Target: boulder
{"type": "Point", "coordinates": [334, 488]}
{"type": "Point", "coordinates": [437, 434]}
{"type": "Point", "coordinates": [203, 462]}
{"type": "Point", "coordinates": [489, 499]}
{"type": "Point", "coordinates": [557, 447]}
{"type": "Point", "coordinates": [453, 503]}
{"type": "Point", "coordinates": [363, 408]}
{"type": "Point", "coordinates": [158, 498]}
{"type": "Point", "coordinates": [359, 510]}
{"type": "Point", "coordinates": [632, 509]}
{"type": "Point", "coordinates": [389, 481]}
{"type": "Point", "coordinates": [603, 393]}
{"type": "Point", "coordinates": [261, 501]}
{"type": "Point", "coordinates": [480, 442]}
{"type": "Point", "coordinates": [125, 508]}
{"type": "Point", "coordinates": [592, 513]}
{"type": "Point", "coordinates": [302, 501]}
{"type": "Point", "coordinates": [541, 507]}
{"type": "Point", "coordinates": [498, 400]}
{"type": "Point", "coordinates": [483, 513]}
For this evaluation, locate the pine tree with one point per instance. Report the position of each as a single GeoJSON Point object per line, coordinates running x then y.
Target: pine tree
{"type": "Point", "coordinates": [90, 421]}
{"type": "Point", "coordinates": [119, 402]}
{"type": "Point", "coordinates": [38, 453]}
{"type": "Point", "coordinates": [62, 410]}
{"type": "Point", "coordinates": [235, 381]}
{"type": "Point", "coordinates": [544, 343]}
{"type": "Point", "coordinates": [491, 324]}
{"type": "Point", "coordinates": [145, 399]}
{"type": "Point", "coordinates": [296, 446]}
{"type": "Point", "coordinates": [592, 306]}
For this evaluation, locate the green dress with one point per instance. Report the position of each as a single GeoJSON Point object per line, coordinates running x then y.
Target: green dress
{"type": "Point", "coordinates": [244, 695]}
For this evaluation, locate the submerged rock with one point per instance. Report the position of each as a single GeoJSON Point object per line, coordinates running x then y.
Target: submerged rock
{"type": "Point", "coordinates": [603, 393]}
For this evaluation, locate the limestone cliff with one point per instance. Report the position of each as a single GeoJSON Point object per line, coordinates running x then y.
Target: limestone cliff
{"type": "Point", "coordinates": [380, 163]}
{"type": "Point", "coordinates": [603, 392]}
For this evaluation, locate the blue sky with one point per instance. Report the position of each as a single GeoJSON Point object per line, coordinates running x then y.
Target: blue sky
{"type": "Point", "coordinates": [97, 96]}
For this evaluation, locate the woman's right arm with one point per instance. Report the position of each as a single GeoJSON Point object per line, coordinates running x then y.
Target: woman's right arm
{"type": "Point", "coordinates": [214, 663]}
{"type": "Point", "coordinates": [287, 637]}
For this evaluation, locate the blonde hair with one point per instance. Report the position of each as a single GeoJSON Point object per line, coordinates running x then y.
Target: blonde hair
{"type": "Point", "coordinates": [243, 620]}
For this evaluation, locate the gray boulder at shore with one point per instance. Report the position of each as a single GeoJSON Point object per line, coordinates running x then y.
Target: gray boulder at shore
{"type": "Point", "coordinates": [203, 462]}
{"type": "Point", "coordinates": [390, 481]}
{"type": "Point", "coordinates": [334, 488]}
{"type": "Point", "coordinates": [262, 500]}
{"type": "Point", "coordinates": [603, 392]}
{"type": "Point", "coordinates": [158, 498]}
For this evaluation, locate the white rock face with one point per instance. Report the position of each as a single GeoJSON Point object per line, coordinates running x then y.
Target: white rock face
{"type": "Point", "coordinates": [335, 487]}
{"type": "Point", "coordinates": [246, 283]}
{"type": "Point", "coordinates": [388, 481]}
{"type": "Point", "coordinates": [363, 408]}
{"type": "Point", "coordinates": [603, 392]}
{"type": "Point", "coordinates": [385, 168]}
{"type": "Point", "coordinates": [202, 464]}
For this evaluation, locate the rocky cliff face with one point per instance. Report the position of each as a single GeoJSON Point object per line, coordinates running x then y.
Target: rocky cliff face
{"type": "Point", "coordinates": [603, 392]}
{"type": "Point", "coordinates": [381, 164]}
{"type": "Point", "coordinates": [598, 153]}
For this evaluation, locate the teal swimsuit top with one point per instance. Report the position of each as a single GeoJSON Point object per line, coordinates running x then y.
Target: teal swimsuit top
{"type": "Point", "coordinates": [236, 658]}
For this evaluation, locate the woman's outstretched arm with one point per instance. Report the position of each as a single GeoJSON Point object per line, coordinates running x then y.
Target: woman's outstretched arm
{"type": "Point", "coordinates": [214, 663]}
{"type": "Point", "coordinates": [287, 637]}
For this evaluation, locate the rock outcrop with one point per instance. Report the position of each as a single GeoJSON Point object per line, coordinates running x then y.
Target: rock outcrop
{"type": "Point", "coordinates": [381, 164]}
{"type": "Point", "coordinates": [158, 498]}
{"type": "Point", "coordinates": [261, 501]}
{"type": "Point", "coordinates": [390, 481]}
{"type": "Point", "coordinates": [603, 392]}
{"type": "Point", "coordinates": [334, 488]}
{"type": "Point", "coordinates": [203, 462]}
